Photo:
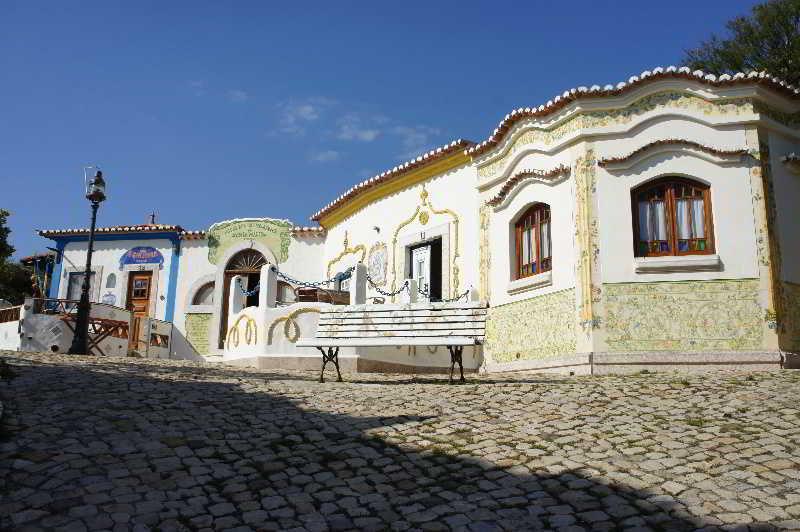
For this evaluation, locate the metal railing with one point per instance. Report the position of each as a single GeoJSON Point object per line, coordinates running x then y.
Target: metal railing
{"type": "Point", "coordinates": [10, 314]}
{"type": "Point", "coordinates": [54, 306]}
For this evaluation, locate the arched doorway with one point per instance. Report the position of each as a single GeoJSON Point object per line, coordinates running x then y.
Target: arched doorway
{"type": "Point", "coordinates": [246, 263]}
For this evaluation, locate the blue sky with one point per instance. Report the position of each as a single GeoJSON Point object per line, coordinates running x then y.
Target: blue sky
{"type": "Point", "coordinates": [204, 111]}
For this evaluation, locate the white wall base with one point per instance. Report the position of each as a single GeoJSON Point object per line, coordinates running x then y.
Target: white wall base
{"type": "Point", "coordinates": [613, 363]}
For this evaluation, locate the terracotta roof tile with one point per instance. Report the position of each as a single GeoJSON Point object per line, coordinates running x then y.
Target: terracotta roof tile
{"type": "Point", "coordinates": [425, 158]}
{"type": "Point", "coordinates": [150, 228]}
{"type": "Point", "coordinates": [144, 228]}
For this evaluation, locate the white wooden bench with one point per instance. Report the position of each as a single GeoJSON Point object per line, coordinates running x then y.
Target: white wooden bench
{"type": "Point", "coordinates": [453, 325]}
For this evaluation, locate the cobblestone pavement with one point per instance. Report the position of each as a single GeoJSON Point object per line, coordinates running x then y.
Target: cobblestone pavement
{"type": "Point", "coordinates": [159, 445]}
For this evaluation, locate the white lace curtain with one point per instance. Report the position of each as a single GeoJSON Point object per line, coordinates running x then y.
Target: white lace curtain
{"type": "Point", "coordinates": [690, 218]}
{"type": "Point", "coordinates": [652, 221]}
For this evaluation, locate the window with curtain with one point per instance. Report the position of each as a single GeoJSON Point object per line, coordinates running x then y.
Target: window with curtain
{"type": "Point", "coordinates": [533, 244]}
{"type": "Point", "coordinates": [672, 217]}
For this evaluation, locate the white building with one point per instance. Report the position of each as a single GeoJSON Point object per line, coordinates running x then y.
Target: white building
{"type": "Point", "coordinates": [644, 224]}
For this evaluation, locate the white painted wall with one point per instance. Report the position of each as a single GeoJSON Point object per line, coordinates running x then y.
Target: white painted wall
{"type": "Point", "coordinates": [304, 263]}
{"type": "Point", "coordinates": [9, 335]}
{"type": "Point", "coordinates": [454, 190]}
{"type": "Point", "coordinates": [732, 212]}
{"type": "Point", "coordinates": [559, 195]}
{"type": "Point", "coordinates": [194, 270]}
{"type": "Point", "coordinates": [49, 333]}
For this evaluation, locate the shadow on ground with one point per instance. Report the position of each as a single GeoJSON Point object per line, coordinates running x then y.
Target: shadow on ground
{"type": "Point", "coordinates": [108, 445]}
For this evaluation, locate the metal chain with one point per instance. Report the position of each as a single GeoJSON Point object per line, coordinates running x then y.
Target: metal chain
{"type": "Point", "coordinates": [344, 275]}
{"type": "Point", "coordinates": [248, 293]}
{"type": "Point", "coordinates": [457, 298]}
{"type": "Point", "coordinates": [451, 300]}
{"type": "Point", "coordinates": [317, 284]}
{"type": "Point", "coordinates": [383, 293]}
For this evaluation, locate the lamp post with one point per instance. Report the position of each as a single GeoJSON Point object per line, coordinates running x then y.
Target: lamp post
{"type": "Point", "coordinates": [95, 193]}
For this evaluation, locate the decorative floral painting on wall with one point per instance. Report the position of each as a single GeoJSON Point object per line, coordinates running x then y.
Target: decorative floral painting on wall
{"type": "Point", "coordinates": [537, 328]}
{"type": "Point", "coordinates": [684, 316]}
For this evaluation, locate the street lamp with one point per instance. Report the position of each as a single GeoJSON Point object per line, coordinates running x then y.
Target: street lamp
{"type": "Point", "coordinates": [95, 193]}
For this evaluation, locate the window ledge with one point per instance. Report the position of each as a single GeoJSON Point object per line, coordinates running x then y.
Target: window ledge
{"type": "Point", "coordinates": [683, 263]}
{"type": "Point", "coordinates": [530, 283]}
{"type": "Point", "coordinates": [199, 309]}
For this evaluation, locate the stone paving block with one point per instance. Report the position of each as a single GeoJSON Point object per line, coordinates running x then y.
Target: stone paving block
{"type": "Point", "coordinates": [169, 444]}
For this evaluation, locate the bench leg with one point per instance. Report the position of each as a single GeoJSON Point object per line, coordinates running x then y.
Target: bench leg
{"type": "Point", "coordinates": [332, 355]}
{"type": "Point", "coordinates": [455, 356]}
{"type": "Point", "coordinates": [335, 358]}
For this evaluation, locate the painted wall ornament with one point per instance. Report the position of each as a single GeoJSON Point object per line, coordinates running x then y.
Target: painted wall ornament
{"type": "Point", "coordinates": [250, 332]}
{"type": "Point", "coordinates": [587, 235]}
{"type": "Point", "coordinates": [360, 250]}
{"type": "Point", "coordinates": [554, 132]}
{"type": "Point", "coordinates": [197, 327]}
{"type": "Point", "coordinates": [425, 207]}
{"type": "Point", "coordinates": [273, 234]}
{"type": "Point", "coordinates": [377, 262]}
{"type": "Point", "coordinates": [484, 254]}
{"type": "Point", "coordinates": [532, 329]}
{"type": "Point", "coordinates": [767, 242]}
{"type": "Point", "coordinates": [142, 255]}
{"type": "Point", "coordinates": [684, 316]}
{"type": "Point", "coordinates": [291, 329]}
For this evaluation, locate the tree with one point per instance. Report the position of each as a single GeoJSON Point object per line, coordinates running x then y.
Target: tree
{"type": "Point", "coordinates": [768, 40]}
{"type": "Point", "coordinates": [15, 282]}
{"type": "Point", "coordinates": [6, 249]}
{"type": "Point", "coordinates": [15, 279]}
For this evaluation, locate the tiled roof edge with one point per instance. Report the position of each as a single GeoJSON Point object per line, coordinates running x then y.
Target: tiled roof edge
{"type": "Point", "coordinates": [144, 228]}
{"type": "Point", "coordinates": [425, 158]}
{"type": "Point", "coordinates": [595, 91]}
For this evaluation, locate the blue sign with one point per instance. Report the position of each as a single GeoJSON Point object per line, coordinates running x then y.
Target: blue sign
{"type": "Point", "coordinates": [142, 255]}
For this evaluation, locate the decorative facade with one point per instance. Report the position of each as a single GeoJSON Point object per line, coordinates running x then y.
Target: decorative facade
{"type": "Point", "coordinates": [666, 236]}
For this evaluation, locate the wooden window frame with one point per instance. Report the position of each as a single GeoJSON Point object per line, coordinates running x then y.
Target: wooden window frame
{"type": "Point", "coordinates": [519, 227]}
{"type": "Point", "coordinates": [670, 207]}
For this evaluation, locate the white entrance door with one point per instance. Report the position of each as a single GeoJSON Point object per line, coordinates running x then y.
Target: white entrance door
{"type": "Point", "coordinates": [421, 268]}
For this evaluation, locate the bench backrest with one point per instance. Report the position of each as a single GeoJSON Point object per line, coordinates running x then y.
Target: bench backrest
{"type": "Point", "coordinates": [414, 320]}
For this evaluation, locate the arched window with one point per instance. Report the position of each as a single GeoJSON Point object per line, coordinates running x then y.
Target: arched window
{"type": "Point", "coordinates": [286, 293]}
{"type": "Point", "coordinates": [204, 295]}
{"type": "Point", "coordinates": [533, 245]}
{"type": "Point", "coordinates": [672, 216]}
{"type": "Point", "coordinates": [111, 281]}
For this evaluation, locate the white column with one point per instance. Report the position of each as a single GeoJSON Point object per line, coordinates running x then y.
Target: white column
{"type": "Point", "coordinates": [410, 294]}
{"type": "Point", "coordinates": [268, 293]}
{"type": "Point", "coordinates": [358, 285]}
{"type": "Point", "coordinates": [25, 312]}
{"type": "Point", "coordinates": [236, 299]}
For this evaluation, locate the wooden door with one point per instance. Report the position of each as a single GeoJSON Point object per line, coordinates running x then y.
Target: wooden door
{"type": "Point", "coordinates": [138, 300]}
{"type": "Point", "coordinates": [223, 317]}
